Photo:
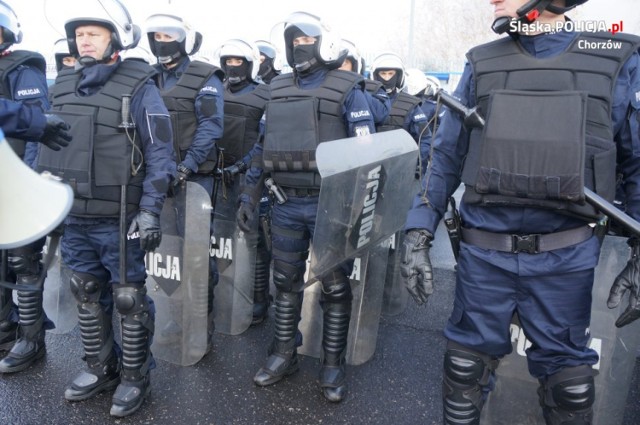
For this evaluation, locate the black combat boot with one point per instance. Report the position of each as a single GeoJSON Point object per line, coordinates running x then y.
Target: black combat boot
{"type": "Point", "coordinates": [8, 329]}
{"type": "Point", "coordinates": [137, 330]}
{"type": "Point", "coordinates": [261, 297]}
{"type": "Point", "coordinates": [334, 349]}
{"type": "Point", "coordinates": [283, 357]}
{"type": "Point", "coordinates": [30, 346]}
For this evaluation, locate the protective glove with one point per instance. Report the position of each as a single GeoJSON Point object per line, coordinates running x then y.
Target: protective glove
{"type": "Point", "coordinates": [183, 174]}
{"type": "Point", "coordinates": [627, 280]}
{"type": "Point", "coordinates": [228, 173]}
{"type": "Point", "coordinates": [148, 226]}
{"type": "Point", "coordinates": [55, 134]}
{"type": "Point", "coordinates": [415, 265]}
{"type": "Point", "coordinates": [244, 216]}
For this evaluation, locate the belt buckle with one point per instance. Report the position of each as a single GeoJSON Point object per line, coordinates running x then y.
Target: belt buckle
{"type": "Point", "coordinates": [525, 243]}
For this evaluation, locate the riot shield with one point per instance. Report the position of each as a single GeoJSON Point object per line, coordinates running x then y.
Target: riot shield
{"type": "Point", "coordinates": [365, 195]}
{"type": "Point", "coordinates": [235, 253]}
{"type": "Point", "coordinates": [177, 277]}
{"type": "Point", "coordinates": [367, 285]}
{"type": "Point", "coordinates": [396, 295]}
{"type": "Point", "coordinates": [58, 301]}
{"type": "Point", "coordinates": [515, 400]}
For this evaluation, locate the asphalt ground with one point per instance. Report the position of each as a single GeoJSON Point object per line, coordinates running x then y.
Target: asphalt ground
{"type": "Point", "coordinates": [399, 384]}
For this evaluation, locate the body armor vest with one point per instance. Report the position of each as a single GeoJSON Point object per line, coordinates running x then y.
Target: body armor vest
{"type": "Point", "coordinates": [402, 105]}
{"type": "Point", "coordinates": [298, 120]}
{"type": "Point", "coordinates": [180, 100]}
{"type": "Point", "coordinates": [242, 115]}
{"type": "Point", "coordinates": [8, 63]}
{"type": "Point", "coordinates": [104, 153]}
{"type": "Point", "coordinates": [503, 69]}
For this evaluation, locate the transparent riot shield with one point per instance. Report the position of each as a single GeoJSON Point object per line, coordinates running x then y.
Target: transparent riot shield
{"type": "Point", "coordinates": [235, 253]}
{"type": "Point", "coordinates": [515, 401]}
{"type": "Point", "coordinates": [367, 286]}
{"type": "Point", "coordinates": [177, 277]}
{"type": "Point", "coordinates": [366, 192]}
{"type": "Point", "coordinates": [58, 301]}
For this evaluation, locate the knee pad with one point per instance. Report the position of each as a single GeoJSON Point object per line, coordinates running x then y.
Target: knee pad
{"type": "Point", "coordinates": [287, 277]}
{"type": "Point", "coordinates": [130, 300]}
{"type": "Point", "coordinates": [336, 288]}
{"type": "Point", "coordinates": [466, 373]}
{"type": "Point", "coordinates": [568, 394]}
{"type": "Point", "coordinates": [86, 288]}
{"type": "Point", "coordinates": [24, 260]}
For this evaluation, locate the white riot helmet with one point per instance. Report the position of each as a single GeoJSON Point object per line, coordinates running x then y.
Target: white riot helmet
{"type": "Point", "coordinates": [433, 86]}
{"type": "Point", "coordinates": [11, 32]}
{"type": "Point", "coordinates": [239, 48]}
{"type": "Point", "coordinates": [416, 82]}
{"type": "Point", "coordinates": [110, 14]}
{"type": "Point", "coordinates": [270, 51]}
{"type": "Point", "coordinates": [187, 40]}
{"type": "Point", "coordinates": [388, 61]}
{"type": "Point", "coordinates": [328, 50]}
{"type": "Point", "coordinates": [353, 55]}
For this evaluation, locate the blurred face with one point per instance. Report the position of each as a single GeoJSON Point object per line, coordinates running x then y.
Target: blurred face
{"type": "Point", "coordinates": [163, 37]}
{"type": "Point", "coordinates": [262, 58]}
{"type": "Point", "coordinates": [387, 75]}
{"type": "Point", "coordinates": [347, 66]}
{"type": "Point", "coordinates": [303, 41]}
{"type": "Point", "coordinates": [69, 61]}
{"type": "Point", "coordinates": [234, 61]}
{"type": "Point", "coordinates": [92, 40]}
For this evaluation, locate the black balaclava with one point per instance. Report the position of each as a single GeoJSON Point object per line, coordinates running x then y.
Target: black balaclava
{"type": "Point", "coordinates": [389, 85]}
{"type": "Point", "coordinates": [167, 52]}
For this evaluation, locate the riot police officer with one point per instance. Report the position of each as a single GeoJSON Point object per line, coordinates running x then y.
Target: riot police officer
{"type": "Point", "coordinates": [314, 52]}
{"type": "Point", "coordinates": [123, 163]}
{"type": "Point", "coordinates": [388, 69]}
{"type": "Point", "coordinates": [270, 64]}
{"type": "Point", "coordinates": [22, 330]}
{"type": "Point", "coordinates": [193, 93]}
{"type": "Point", "coordinates": [379, 101]}
{"type": "Point", "coordinates": [246, 98]}
{"type": "Point", "coordinates": [526, 243]}
{"type": "Point", "coordinates": [64, 59]}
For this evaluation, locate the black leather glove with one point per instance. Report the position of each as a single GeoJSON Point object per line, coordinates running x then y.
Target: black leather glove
{"type": "Point", "coordinates": [183, 174]}
{"type": "Point", "coordinates": [415, 264]}
{"type": "Point", "coordinates": [55, 134]}
{"type": "Point", "coordinates": [628, 280]}
{"type": "Point", "coordinates": [228, 173]}
{"type": "Point", "coordinates": [148, 226]}
{"type": "Point", "coordinates": [244, 216]}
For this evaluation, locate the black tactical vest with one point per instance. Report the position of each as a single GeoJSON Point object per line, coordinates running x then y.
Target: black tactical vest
{"type": "Point", "coordinates": [502, 69]}
{"type": "Point", "coordinates": [403, 105]}
{"type": "Point", "coordinates": [100, 159]}
{"type": "Point", "coordinates": [298, 120]}
{"type": "Point", "coordinates": [8, 63]}
{"type": "Point", "coordinates": [180, 101]}
{"type": "Point", "coordinates": [242, 114]}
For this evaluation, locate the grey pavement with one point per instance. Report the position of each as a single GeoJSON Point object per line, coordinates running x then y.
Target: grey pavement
{"type": "Point", "coordinates": [400, 384]}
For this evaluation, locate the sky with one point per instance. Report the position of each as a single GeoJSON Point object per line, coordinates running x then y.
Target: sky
{"type": "Point", "coordinates": [361, 22]}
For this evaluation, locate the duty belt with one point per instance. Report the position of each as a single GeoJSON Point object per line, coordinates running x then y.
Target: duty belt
{"type": "Point", "coordinates": [531, 244]}
{"type": "Point", "coordinates": [299, 192]}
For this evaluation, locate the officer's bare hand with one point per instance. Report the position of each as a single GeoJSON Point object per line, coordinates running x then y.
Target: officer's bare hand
{"type": "Point", "coordinates": [244, 216]}
{"type": "Point", "coordinates": [628, 281]}
{"type": "Point", "coordinates": [415, 265]}
{"type": "Point", "coordinates": [56, 133]}
{"type": "Point", "coordinates": [147, 224]}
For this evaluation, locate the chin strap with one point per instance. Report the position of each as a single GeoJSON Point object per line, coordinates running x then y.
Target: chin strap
{"type": "Point", "coordinates": [526, 14]}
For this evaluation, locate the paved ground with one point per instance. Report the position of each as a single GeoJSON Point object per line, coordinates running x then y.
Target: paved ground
{"type": "Point", "coordinates": [400, 384]}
